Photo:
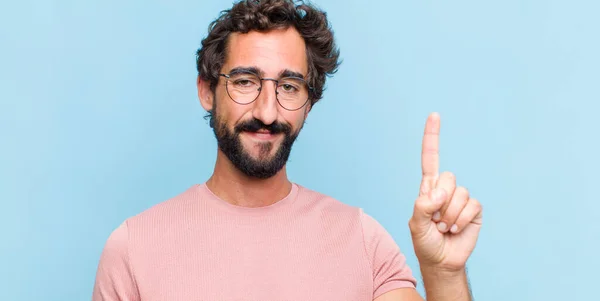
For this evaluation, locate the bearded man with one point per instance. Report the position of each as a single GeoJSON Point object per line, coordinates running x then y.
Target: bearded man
{"type": "Point", "coordinates": [248, 232]}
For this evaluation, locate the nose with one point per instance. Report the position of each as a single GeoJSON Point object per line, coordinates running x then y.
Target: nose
{"type": "Point", "coordinates": [265, 106]}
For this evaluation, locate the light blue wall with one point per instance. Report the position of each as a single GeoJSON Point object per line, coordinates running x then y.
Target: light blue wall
{"type": "Point", "coordinates": [99, 120]}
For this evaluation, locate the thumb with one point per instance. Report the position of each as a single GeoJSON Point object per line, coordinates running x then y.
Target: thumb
{"type": "Point", "coordinates": [426, 205]}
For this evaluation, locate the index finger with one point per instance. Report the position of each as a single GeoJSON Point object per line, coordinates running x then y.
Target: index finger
{"type": "Point", "coordinates": [430, 154]}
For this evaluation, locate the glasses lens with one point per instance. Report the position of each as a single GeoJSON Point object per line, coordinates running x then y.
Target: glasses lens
{"type": "Point", "coordinates": [292, 93]}
{"type": "Point", "coordinates": [243, 87]}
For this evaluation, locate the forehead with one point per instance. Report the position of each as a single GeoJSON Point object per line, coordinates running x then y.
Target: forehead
{"type": "Point", "coordinates": [271, 52]}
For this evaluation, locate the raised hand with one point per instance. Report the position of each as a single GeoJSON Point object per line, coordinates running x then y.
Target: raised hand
{"type": "Point", "coordinates": [446, 220]}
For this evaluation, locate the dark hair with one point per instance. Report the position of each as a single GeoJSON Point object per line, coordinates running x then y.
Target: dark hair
{"type": "Point", "coordinates": [264, 15]}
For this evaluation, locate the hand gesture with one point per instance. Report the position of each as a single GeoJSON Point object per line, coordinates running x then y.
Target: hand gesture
{"type": "Point", "coordinates": [446, 220]}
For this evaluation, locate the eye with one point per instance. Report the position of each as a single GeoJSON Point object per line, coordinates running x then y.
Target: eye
{"type": "Point", "coordinates": [289, 88]}
{"type": "Point", "coordinates": [243, 82]}
{"type": "Point", "coordinates": [291, 85]}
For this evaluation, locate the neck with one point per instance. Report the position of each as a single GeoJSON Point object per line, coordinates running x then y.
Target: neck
{"type": "Point", "coordinates": [234, 187]}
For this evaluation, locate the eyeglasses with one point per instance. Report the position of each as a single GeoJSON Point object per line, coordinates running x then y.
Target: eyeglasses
{"type": "Point", "coordinates": [244, 88]}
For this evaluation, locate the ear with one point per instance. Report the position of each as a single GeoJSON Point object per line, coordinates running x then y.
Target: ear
{"type": "Point", "coordinates": [205, 95]}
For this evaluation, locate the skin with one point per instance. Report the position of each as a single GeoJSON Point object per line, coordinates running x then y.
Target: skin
{"type": "Point", "coordinates": [442, 250]}
{"type": "Point", "coordinates": [271, 52]}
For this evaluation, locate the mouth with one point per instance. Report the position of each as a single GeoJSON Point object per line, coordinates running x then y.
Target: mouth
{"type": "Point", "coordinates": [263, 135]}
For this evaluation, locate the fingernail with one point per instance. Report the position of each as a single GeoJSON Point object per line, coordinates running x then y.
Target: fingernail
{"type": "Point", "coordinates": [436, 216]}
{"type": "Point", "coordinates": [442, 226]}
{"type": "Point", "coordinates": [454, 228]}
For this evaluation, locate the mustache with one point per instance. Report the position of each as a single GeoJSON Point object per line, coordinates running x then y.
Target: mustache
{"type": "Point", "coordinates": [254, 125]}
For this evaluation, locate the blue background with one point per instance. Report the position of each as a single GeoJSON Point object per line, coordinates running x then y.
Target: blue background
{"type": "Point", "coordinates": [99, 120]}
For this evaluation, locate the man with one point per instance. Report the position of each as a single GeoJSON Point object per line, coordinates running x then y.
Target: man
{"type": "Point", "coordinates": [248, 232]}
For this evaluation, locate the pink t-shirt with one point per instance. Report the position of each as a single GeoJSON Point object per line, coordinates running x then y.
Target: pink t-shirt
{"type": "Point", "coordinates": [196, 246]}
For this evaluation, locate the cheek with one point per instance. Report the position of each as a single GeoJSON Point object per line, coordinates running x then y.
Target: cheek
{"type": "Point", "coordinates": [296, 119]}
{"type": "Point", "coordinates": [230, 113]}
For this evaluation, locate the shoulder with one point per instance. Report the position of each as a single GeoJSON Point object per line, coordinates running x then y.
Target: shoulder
{"type": "Point", "coordinates": [339, 212]}
{"type": "Point", "coordinates": [165, 213]}
{"type": "Point", "coordinates": [327, 206]}
{"type": "Point", "coordinates": [386, 260]}
{"type": "Point", "coordinates": [323, 201]}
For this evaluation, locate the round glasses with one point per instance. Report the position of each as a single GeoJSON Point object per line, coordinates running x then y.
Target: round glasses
{"type": "Point", "coordinates": [244, 88]}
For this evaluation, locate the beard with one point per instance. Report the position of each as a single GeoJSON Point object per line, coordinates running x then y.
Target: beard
{"type": "Point", "coordinates": [266, 165]}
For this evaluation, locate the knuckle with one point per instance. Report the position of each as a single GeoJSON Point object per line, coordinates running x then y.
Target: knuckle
{"type": "Point", "coordinates": [448, 175]}
{"type": "Point", "coordinates": [420, 203]}
{"type": "Point", "coordinates": [476, 204]}
{"type": "Point", "coordinates": [429, 150]}
{"type": "Point", "coordinates": [462, 191]}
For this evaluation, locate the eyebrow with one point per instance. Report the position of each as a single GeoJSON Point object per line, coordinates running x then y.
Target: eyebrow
{"type": "Point", "coordinates": [290, 73]}
{"type": "Point", "coordinates": [251, 69]}
{"type": "Point", "coordinates": [259, 72]}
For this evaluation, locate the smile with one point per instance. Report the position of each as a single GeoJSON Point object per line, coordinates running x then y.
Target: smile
{"type": "Point", "coordinates": [262, 135]}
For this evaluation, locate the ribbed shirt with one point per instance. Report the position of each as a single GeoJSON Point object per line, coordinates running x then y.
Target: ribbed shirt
{"type": "Point", "coordinates": [196, 246]}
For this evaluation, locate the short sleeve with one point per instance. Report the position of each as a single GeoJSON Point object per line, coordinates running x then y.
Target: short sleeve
{"type": "Point", "coordinates": [390, 270]}
{"type": "Point", "coordinates": [114, 277]}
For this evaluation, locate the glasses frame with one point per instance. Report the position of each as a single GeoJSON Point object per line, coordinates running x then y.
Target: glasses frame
{"type": "Point", "coordinates": [276, 81]}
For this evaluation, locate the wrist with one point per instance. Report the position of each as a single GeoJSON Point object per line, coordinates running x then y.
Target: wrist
{"type": "Point", "coordinates": [443, 284]}
{"type": "Point", "coordinates": [442, 272]}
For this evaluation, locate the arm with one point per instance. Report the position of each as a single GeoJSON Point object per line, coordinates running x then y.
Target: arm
{"type": "Point", "coordinates": [446, 286]}
{"type": "Point", "coordinates": [114, 277]}
{"type": "Point", "coordinates": [402, 294]}
{"type": "Point", "coordinates": [391, 274]}
{"type": "Point", "coordinates": [444, 228]}
{"type": "Point", "coordinates": [439, 286]}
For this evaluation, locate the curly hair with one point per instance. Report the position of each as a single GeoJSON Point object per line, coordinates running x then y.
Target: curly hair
{"type": "Point", "coordinates": [264, 15]}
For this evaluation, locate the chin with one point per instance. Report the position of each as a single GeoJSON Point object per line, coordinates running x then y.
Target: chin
{"type": "Point", "coordinates": [257, 156]}
{"type": "Point", "coordinates": [258, 150]}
